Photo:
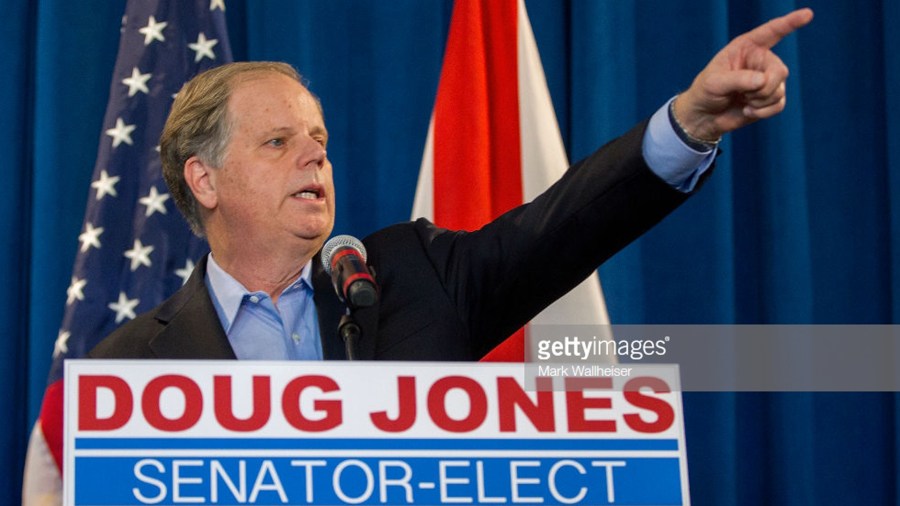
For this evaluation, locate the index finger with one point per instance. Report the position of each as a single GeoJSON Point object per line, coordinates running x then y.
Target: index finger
{"type": "Point", "coordinates": [771, 32]}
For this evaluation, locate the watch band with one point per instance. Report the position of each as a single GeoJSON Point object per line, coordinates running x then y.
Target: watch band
{"type": "Point", "coordinates": [692, 142]}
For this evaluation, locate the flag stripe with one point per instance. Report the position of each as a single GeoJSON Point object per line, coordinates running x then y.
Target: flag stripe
{"type": "Point", "coordinates": [477, 158]}
{"type": "Point", "coordinates": [477, 151]}
{"type": "Point", "coordinates": [544, 157]}
{"type": "Point", "coordinates": [52, 417]}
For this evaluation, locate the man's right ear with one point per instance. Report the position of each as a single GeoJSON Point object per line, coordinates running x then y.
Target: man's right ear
{"type": "Point", "coordinates": [199, 178]}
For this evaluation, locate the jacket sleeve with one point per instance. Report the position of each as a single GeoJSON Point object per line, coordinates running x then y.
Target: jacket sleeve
{"type": "Point", "coordinates": [505, 273]}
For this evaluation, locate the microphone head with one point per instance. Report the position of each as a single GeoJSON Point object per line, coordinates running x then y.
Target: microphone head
{"type": "Point", "coordinates": [339, 242]}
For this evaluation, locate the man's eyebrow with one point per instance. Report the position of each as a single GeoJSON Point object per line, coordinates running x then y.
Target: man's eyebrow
{"type": "Point", "coordinates": [319, 130]}
{"type": "Point", "coordinates": [279, 131]}
{"type": "Point", "coordinates": [291, 131]}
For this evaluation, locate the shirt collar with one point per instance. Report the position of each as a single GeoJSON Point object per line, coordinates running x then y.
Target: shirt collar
{"type": "Point", "coordinates": [228, 293]}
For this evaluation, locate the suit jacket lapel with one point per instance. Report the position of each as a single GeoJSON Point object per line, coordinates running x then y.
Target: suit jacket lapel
{"type": "Point", "coordinates": [330, 309]}
{"type": "Point", "coordinates": [192, 330]}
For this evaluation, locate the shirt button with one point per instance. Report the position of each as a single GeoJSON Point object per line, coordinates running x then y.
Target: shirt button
{"type": "Point", "coordinates": [296, 337]}
{"type": "Point", "coordinates": [254, 299]}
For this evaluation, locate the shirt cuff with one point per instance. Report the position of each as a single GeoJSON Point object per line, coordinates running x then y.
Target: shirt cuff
{"type": "Point", "coordinates": [669, 157]}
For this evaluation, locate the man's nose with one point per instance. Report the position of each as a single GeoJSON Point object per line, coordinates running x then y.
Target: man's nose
{"type": "Point", "coordinates": [312, 154]}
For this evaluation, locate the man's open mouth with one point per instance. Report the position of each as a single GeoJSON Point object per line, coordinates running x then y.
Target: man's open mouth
{"type": "Point", "coordinates": [309, 193]}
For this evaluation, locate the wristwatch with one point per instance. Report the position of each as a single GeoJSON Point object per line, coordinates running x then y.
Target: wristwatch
{"type": "Point", "coordinates": [692, 142]}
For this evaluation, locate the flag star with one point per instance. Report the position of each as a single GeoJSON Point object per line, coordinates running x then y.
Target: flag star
{"type": "Point", "coordinates": [105, 185]}
{"type": "Point", "coordinates": [137, 82]}
{"type": "Point", "coordinates": [217, 4]}
{"type": "Point", "coordinates": [203, 47]}
{"type": "Point", "coordinates": [155, 201]}
{"type": "Point", "coordinates": [139, 255]}
{"type": "Point", "coordinates": [153, 31]}
{"type": "Point", "coordinates": [185, 272]}
{"type": "Point", "coordinates": [90, 237]}
{"type": "Point", "coordinates": [124, 307]}
{"type": "Point", "coordinates": [62, 343]}
{"type": "Point", "coordinates": [75, 290]}
{"type": "Point", "coordinates": [121, 133]}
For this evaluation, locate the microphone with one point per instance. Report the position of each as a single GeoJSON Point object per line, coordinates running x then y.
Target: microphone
{"type": "Point", "coordinates": [344, 258]}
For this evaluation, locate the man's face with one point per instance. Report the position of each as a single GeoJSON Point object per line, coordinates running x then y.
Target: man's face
{"type": "Point", "coordinates": [275, 189]}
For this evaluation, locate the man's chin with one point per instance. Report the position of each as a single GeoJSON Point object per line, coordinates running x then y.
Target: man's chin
{"type": "Point", "coordinates": [315, 239]}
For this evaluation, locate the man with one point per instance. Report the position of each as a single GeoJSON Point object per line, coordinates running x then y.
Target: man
{"type": "Point", "coordinates": [244, 155]}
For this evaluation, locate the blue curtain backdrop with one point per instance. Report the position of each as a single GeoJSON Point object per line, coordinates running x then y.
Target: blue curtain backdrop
{"type": "Point", "coordinates": [799, 225]}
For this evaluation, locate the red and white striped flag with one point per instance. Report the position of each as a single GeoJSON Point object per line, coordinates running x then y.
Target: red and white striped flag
{"type": "Point", "coordinates": [493, 141]}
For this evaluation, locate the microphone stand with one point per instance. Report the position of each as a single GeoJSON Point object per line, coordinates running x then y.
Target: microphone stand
{"type": "Point", "coordinates": [350, 332]}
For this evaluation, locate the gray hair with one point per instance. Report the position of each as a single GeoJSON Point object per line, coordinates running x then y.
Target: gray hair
{"type": "Point", "coordinates": [198, 125]}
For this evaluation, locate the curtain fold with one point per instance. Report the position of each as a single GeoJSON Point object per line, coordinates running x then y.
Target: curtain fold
{"type": "Point", "coordinates": [15, 102]}
{"type": "Point", "coordinates": [800, 224]}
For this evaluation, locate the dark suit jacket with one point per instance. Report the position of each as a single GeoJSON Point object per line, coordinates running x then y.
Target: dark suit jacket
{"type": "Point", "coordinates": [449, 295]}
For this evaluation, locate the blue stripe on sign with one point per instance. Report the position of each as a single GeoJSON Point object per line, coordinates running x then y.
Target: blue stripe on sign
{"type": "Point", "coordinates": [371, 444]}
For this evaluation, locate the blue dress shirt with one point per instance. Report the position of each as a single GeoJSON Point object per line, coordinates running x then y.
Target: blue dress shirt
{"type": "Point", "coordinates": [259, 329]}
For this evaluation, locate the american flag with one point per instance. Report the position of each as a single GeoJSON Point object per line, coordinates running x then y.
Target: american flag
{"type": "Point", "coordinates": [134, 248]}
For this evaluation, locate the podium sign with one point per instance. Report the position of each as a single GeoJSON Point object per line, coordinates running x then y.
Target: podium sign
{"type": "Point", "coordinates": [242, 432]}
